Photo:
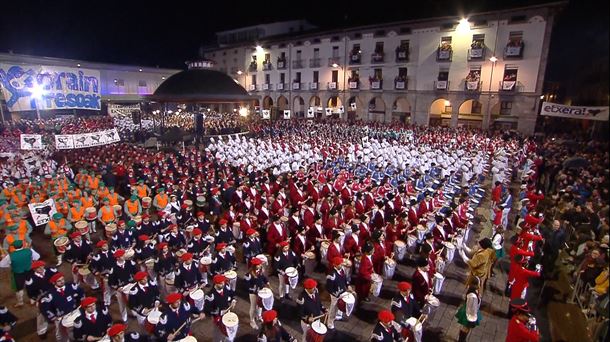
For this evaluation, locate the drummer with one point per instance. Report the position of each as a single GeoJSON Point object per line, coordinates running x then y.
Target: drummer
{"type": "Point", "coordinates": [188, 276]}
{"type": "Point", "coordinates": [284, 259]}
{"type": "Point", "coordinates": [101, 264]}
{"type": "Point", "coordinates": [384, 330]}
{"type": "Point", "coordinates": [310, 306]}
{"type": "Point", "coordinates": [252, 245]}
{"type": "Point", "coordinates": [145, 249]}
{"type": "Point", "coordinates": [272, 330]}
{"type": "Point", "coordinates": [256, 280]}
{"type": "Point", "coordinates": [223, 234]}
{"type": "Point", "coordinates": [57, 227]}
{"type": "Point", "coordinates": [76, 212]}
{"type": "Point", "coordinates": [123, 238]}
{"type": "Point", "coordinates": [78, 254]}
{"type": "Point", "coordinates": [36, 286]}
{"type": "Point", "coordinates": [422, 282]}
{"type": "Point", "coordinates": [106, 213]}
{"type": "Point", "coordinates": [146, 227]}
{"type": "Point", "coordinates": [132, 207]}
{"type": "Point", "coordinates": [518, 329]}
{"type": "Point", "coordinates": [198, 246]}
{"type": "Point", "coordinates": [176, 319]}
{"type": "Point", "coordinates": [404, 305]}
{"type": "Point", "coordinates": [165, 263]}
{"type": "Point", "coordinates": [220, 300]}
{"type": "Point", "coordinates": [61, 300]}
{"type": "Point", "coordinates": [161, 200]}
{"type": "Point", "coordinates": [224, 261]}
{"type": "Point", "coordinates": [120, 275]}
{"type": "Point", "coordinates": [365, 272]}
{"type": "Point", "coordinates": [175, 239]}
{"type": "Point", "coordinates": [93, 321]}
{"type": "Point", "coordinates": [143, 297]}
{"type": "Point", "coordinates": [202, 222]}
{"type": "Point", "coordinates": [336, 285]}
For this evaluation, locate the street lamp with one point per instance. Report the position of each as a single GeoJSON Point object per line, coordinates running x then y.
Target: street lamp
{"type": "Point", "coordinates": [487, 119]}
{"type": "Point", "coordinates": [37, 94]}
{"type": "Point", "coordinates": [335, 65]}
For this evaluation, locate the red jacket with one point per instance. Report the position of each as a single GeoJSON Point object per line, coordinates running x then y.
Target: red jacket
{"type": "Point", "coordinates": [351, 246]}
{"type": "Point", "coordinates": [309, 217]}
{"type": "Point", "coordinates": [332, 253]}
{"type": "Point", "coordinates": [299, 247]}
{"type": "Point", "coordinates": [379, 256]}
{"type": "Point", "coordinates": [496, 193]}
{"type": "Point", "coordinates": [420, 288]}
{"type": "Point", "coordinates": [274, 237]}
{"type": "Point", "coordinates": [521, 277]}
{"type": "Point", "coordinates": [518, 332]}
{"type": "Point", "coordinates": [366, 269]}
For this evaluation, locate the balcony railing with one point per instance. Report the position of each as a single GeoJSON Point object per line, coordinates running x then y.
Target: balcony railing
{"type": "Point", "coordinates": [315, 62]}
{"type": "Point", "coordinates": [314, 86]}
{"type": "Point", "coordinates": [297, 64]}
{"type": "Point", "coordinates": [444, 55]}
{"type": "Point", "coordinates": [267, 66]}
{"type": "Point", "coordinates": [281, 64]}
{"type": "Point", "coordinates": [472, 86]}
{"type": "Point", "coordinates": [355, 58]}
{"type": "Point", "coordinates": [400, 84]}
{"type": "Point", "coordinates": [281, 86]}
{"type": "Point", "coordinates": [376, 85]}
{"type": "Point", "coordinates": [353, 84]}
{"type": "Point", "coordinates": [252, 67]}
{"type": "Point", "coordinates": [377, 57]}
{"type": "Point", "coordinates": [252, 87]}
{"type": "Point", "coordinates": [508, 86]}
{"type": "Point", "coordinates": [331, 86]}
{"type": "Point", "coordinates": [402, 55]}
{"type": "Point", "coordinates": [514, 50]}
{"type": "Point", "coordinates": [476, 54]}
{"type": "Point", "coordinates": [334, 60]}
{"type": "Point", "coordinates": [441, 85]}
{"type": "Point", "coordinates": [267, 86]}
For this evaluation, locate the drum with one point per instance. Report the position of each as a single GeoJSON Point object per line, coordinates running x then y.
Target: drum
{"type": "Point", "coordinates": [323, 251]}
{"type": "Point", "coordinates": [293, 276]}
{"type": "Point", "coordinates": [433, 301]}
{"type": "Point", "coordinates": [61, 243]}
{"type": "Point", "coordinates": [400, 249]}
{"type": "Point", "coordinates": [200, 201]}
{"type": "Point", "coordinates": [230, 321]}
{"type": "Point", "coordinates": [309, 263]}
{"type": "Point", "coordinates": [84, 271]}
{"type": "Point", "coordinates": [82, 226]}
{"type": "Point", "coordinates": [125, 289]}
{"type": "Point", "coordinates": [129, 253]}
{"type": "Point", "coordinates": [187, 339]}
{"type": "Point", "coordinates": [146, 202]}
{"type": "Point", "coordinates": [150, 263]}
{"type": "Point", "coordinates": [412, 243]}
{"type": "Point", "coordinates": [317, 332]}
{"type": "Point", "coordinates": [197, 297]}
{"type": "Point", "coordinates": [266, 266]}
{"type": "Point", "coordinates": [90, 214]}
{"type": "Point", "coordinates": [110, 229]}
{"type": "Point", "coordinates": [118, 210]}
{"type": "Point", "coordinates": [231, 249]}
{"type": "Point", "coordinates": [389, 268]}
{"type": "Point", "coordinates": [152, 319]}
{"type": "Point", "coordinates": [438, 283]}
{"type": "Point", "coordinates": [231, 278]}
{"type": "Point", "coordinates": [265, 298]}
{"type": "Point", "coordinates": [377, 283]}
{"type": "Point", "coordinates": [421, 232]}
{"type": "Point", "coordinates": [346, 303]}
{"type": "Point", "coordinates": [67, 321]}
{"type": "Point", "coordinates": [188, 203]}
{"type": "Point", "coordinates": [170, 278]}
{"type": "Point", "coordinates": [347, 268]}
{"type": "Point", "coordinates": [138, 220]}
{"type": "Point", "coordinates": [449, 251]}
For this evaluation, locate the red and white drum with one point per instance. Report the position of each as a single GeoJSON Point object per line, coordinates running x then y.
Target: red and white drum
{"type": "Point", "coordinates": [61, 243]}
{"type": "Point", "coordinates": [231, 278]}
{"type": "Point", "coordinates": [236, 230]}
{"type": "Point", "coordinates": [204, 263]}
{"type": "Point", "coordinates": [82, 226]}
{"type": "Point", "coordinates": [110, 229]}
{"type": "Point", "coordinates": [389, 268]}
{"type": "Point", "coordinates": [129, 253]}
{"type": "Point", "coordinates": [265, 265]}
{"type": "Point", "coordinates": [377, 284]}
{"type": "Point", "coordinates": [265, 298]}
{"type": "Point", "coordinates": [438, 281]}
{"type": "Point", "coordinates": [197, 297]}
{"type": "Point", "coordinates": [449, 251]}
{"type": "Point", "coordinates": [230, 321]}
{"type": "Point", "coordinates": [292, 276]}
{"type": "Point", "coordinates": [152, 319]}
{"type": "Point", "coordinates": [67, 321]}
{"type": "Point", "coordinates": [118, 210]}
{"type": "Point", "coordinates": [432, 301]}
{"type": "Point", "coordinates": [316, 332]}
{"type": "Point", "coordinates": [400, 249]}
{"type": "Point", "coordinates": [346, 303]}
{"type": "Point", "coordinates": [146, 202]}
{"type": "Point", "coordinates": [90, 214]}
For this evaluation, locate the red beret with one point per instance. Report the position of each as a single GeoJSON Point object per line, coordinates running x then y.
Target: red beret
{"type": "Point", "coordinates": [186, 256]}
{"type": "Point", "coordinates": [337, 261]}
{"type": "Point", "coordinates": [250, 232]}
{"type": "Point", "coordinates": [197, 231]}
{"type": "Point", "coordinates": [85, 302]}
{"type": "Point", "coordinates": [222, 221]}
{"type": "Point", "coordinates": [160, 245]}
{"type": "Point", "coordinates": [116, 329]}
{"type": "Point", "coordinates": [145, 216]}
{"type": "Point", "coordinates": [75, 235]}
{"type": "Point", "coordinates": [200, 213]}
{"type": "Point", "coordinates": [161, 213]}
{"type": "Point", "coordinates": [269, 316]}
{"type": "Point", "coordinates": [404, 286]}
{"type": "Point", "coordinates": [38, 263]}
{"type": "Point", "coordinates": [101, 243]}
{"type": "Point", "coordinates": [385, 316]}
{"type": "Point", "coordinates": [56, 277]}
{"type": "Point", "coordinates": [119, 253]}
{"type": "Point", "coordinates": [143, 237]}
{"type": "Point", "coordinates": [173, 297]}
{"type": "Point", "coordinates": [219, 278]}
{"type": "Point", "coordinates": [309, 283]}
{"type": "Point", "coordinates": [120, 222]}
{"type": "Point", "coordinates": [256, 262]}
{"type": "Point", "coordinates": [173, 226]}
{"type": "Point", "coordinates": [220, 246]}
{"type": "Point", "coordinates": [283, 243]}
{"type": "Point", "coordinates": [140, 275]}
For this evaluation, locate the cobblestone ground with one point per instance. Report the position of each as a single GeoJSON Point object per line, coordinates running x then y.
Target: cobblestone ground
{"type": "Point", "coordinates": [440, 326]}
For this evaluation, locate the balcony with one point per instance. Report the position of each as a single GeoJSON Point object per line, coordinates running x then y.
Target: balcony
{"type": "Point", "coordinates": [281, 64]}
{"type": "Point", "coordinates": [331, 86]}
{"type": "Point", "coordinates": [252, 67]}
{"type": "Point", "coordinates": [376, 84]}
{"type": "Point", "coordinates": [315, 62]}
{"type": "Point", "coordinates": [267, 66]}
{"type": "Point", "coordinates": [355, 58]}
{"type": "Point", "coordinates": [252, 87]}
{"type": "Point", "coordinates": [314, 86]}
{"type": "Point", "coordinates": [472, 86]}
{"type": "Point", "coordinates": [402, 55]}
{"type": "Point", "coordinates": [441, 85]}
{"type": "Point", "coordinates": [444, 54]}
{"type": "Point", "coordinates": [508, 86]}
{"type": "Point", "coordinates": [267, 86]}
{"type": "Point", "coordinates": [334, 60]}
{"type": "Point", "coordinates": [296, 85]}
{"type": "Point", "coordinates": [514, 50]}
{"type": "Point", "coordinates": [297, 64]}
{"type": "Point", "coordinates": [476, 54]}
{"type": "Point", "coordinates": [377, 57]}
{"type": "Point", "coordinates": [400, 84]}
{"type": "Point", "coordinates": [281, 86]}
{"type": "Point", "coordinates": [353, 84]}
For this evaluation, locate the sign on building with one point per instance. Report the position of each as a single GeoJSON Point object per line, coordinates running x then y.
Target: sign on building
{"type": "Point", "coordinates": [574, 112]}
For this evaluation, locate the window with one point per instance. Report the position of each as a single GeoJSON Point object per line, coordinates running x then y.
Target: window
{"type": "Point", "coordinates": [377, 74]}
{"type": "Point", "coordinates": [267, 57]}
{"type": "Point", "coordinates": [141, 83]}
{"type": "Point", "coordinates": [283, 55]}
{"type": "Point", "coordinates": [119, 82]}
{"type": "Point", "coordinates": [505, 107]}
{"type": "Point", "coordinates": [443, 75]}
{"type": "Point", "coordinates": [335, 76]}
{"type": "Point", "coordinates": [476, 107]}
{"type": "Point", "coordinates": [316, 53]}
{"type": "Point", "coordinates": [282, 77]}
{"type": "Point", "coordinates": [356, 48]}
{"type": "Point", "coordinates": [297, 77]}
{"type": "Point", "coordinates": [316, 75]}
{"type": "Point", "coordinates": [510, 73]}
{"type": "Point", "coordinates": [335, 51]}
{"type": "Point", "coordinates": [379, 47]}
{"type": "Point", "coordinates": [299, 54]}
{"type": "Point", "coordinates": [447, 26]}
{"type": "Point", "coordinates": [267, 78]}
{"type": "Point", "coordinates": [446, 41]}
{"type": "Point", "coordinates": [405, 30]}
{"type": "Point", "coordinates": [355, 74]}
{"type": "Point", "coordinates": [253, 79]}
{"type": "Point", "coordinates": [515, 37]}
{"type": "Point", "coordinates": [404, 44]}
{"type": "Point", "coordinates": [402, 73]}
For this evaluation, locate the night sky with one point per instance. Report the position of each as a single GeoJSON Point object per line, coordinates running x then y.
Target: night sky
{"type": "Point", "coordinates": [144, 33]}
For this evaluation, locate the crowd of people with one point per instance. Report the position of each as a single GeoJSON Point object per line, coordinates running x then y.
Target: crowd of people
{"type": "Point", "coordinates": [162, 233]}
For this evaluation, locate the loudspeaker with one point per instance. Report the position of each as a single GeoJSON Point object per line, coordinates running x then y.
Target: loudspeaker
{"type": "Point", "coordinates": [136, 116]}
{"type": "Point", "coordinates": [199, 123]}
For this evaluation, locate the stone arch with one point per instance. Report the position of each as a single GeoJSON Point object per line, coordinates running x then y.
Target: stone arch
{"type": "Point", "coordinates": [298, 107]}
{"type": "Point", "coordinates": [377, 109]}
{"type": "Point", "coordinates": [438, 108]}
{"type": "Point", "coordinates": [282, 103]}
{"type": "Point", "coordinates": [267, 102]}
{"type": "Point", "coordinates": [401, 110]}
{"type": "Point", "coordinates": [315, 101]}
{"type": "Point", "coordinates": [334, 102]}
{"type": "Point", "coordinates": [471, 107]}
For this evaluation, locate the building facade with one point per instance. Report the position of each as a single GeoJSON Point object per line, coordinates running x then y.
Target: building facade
{"type": "Point", "coordinates": [482, 71]}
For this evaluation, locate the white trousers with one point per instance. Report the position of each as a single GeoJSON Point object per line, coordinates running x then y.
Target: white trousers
{"type": "Point", "coordinates": [255, 312]}
{"type": "Point", "coordinates": [283, 288]}
{"type": "Point", "coordinates": [120, 297]}
{"type": "Point", "coordinates": [333, 312]}
{"type": "Point", "coordinates": [305, 327]}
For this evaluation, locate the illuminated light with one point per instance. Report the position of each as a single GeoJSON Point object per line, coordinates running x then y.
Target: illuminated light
{"type": "Point", "coordinates": [163, 77]}
{"type": "Point", "coordinates": [463, 26]}
{"type": "Point", "coordinates": [78, 65]}
{"type": "Point", "coordinates": [493, 59]}
{"type": "Point", "coordinates": [140, 70]}
{"type": "Point", "coordinates": [259, 49]}
{"type": "Point", "coordinates": [239, 72]}
{"type": "Point", "coordinates": [447, 103]}
{"type": "Point", "coordinates": [335, 65]}
{"type": "Point", "coordinates": [209, 109]}
{"type": "Point", "coordinates": [243, 111]}
{"type": "Point", "coordinates": [37, 91]}
{"type": "Point", "coordinates": [169, 112]}
{"type": "Point", "coordinates": [236, 81]}
{"type": "Point", "coordinates": [542, 97]}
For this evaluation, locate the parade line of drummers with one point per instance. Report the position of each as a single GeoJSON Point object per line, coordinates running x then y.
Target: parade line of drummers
{"type": "Point", "coordinates": [169, 264]}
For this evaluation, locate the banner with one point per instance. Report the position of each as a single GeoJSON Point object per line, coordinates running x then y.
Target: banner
{"type": "Point", "coordinates": [574, 112]}
{"type": "Point", "coordinates": [70, 141]}
{"type": "Point", "coordinates": [266, 114]}
{"type": "Point", "coordinates": [122, 110]}
{"type": "Point", "coordinates": [42, 212]}
{"type": "Point", "coordinates": [472, 85]}
{"type": "Point", "coordinates": [31, 141]}
{"type": "Point", "coordinates": [27, 87]}
{"type": "Point", "coordinates": [329, 111]}
{"type": "Point", "coordinates": [287, 114]}
{"type": "Point", "coordinates": [310, 113]}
